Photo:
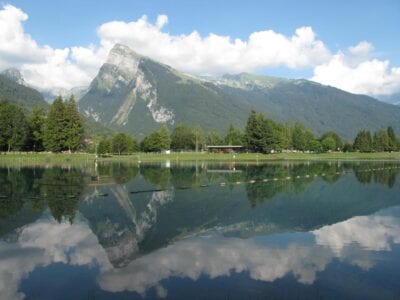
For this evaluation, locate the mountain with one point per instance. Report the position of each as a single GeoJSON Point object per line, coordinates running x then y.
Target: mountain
{"type": "Point", "coordinates": [136, 94]}
{"type": "Point", "coordinates": [11, 89]}
{"type": "Point", "coordinates": [14, 75]}
{"type": "Point", "coordinates": [77, 92]}
{"type": "Point", "coordinates": [392, 99]}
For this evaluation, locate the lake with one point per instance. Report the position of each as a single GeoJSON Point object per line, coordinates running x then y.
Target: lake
{"type": "Point", "coordinates": [284, 230]}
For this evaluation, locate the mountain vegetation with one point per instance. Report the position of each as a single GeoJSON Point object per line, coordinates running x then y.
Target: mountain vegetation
{"type": "Point", "coordinates": [137, 95]}
{"type": "Point", "coordinates": [23, 96]}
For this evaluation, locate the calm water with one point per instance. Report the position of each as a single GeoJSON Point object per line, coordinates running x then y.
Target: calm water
{"type": "Point", "coordinates": [201, 231]}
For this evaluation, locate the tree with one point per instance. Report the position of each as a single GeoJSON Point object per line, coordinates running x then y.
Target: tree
{"type": "Point", "coordinates": [157, 141]}
{"type": "Point", "coordinates": [316, 146]}
{"type": "Point", "coordinates": [182, 138]}
{"type": "Point", "coordinates": [54, 135]}
{"type": "Point", "coordinates": [302, 137]}
{"type": "Point", "coordinates": [363, 141]}
{"type": "Point", "coordinates": [199, 138]}
{"type": "Point", "coordinates": [74, 126]}
{"type": "Point", "coordinates": [119, 143]}
{"type": "Point", "coordinates": [392, 142]}
{"type": "Point", "coordinates": [348, 147]}
{"type": "Point", "coordinates": [381, 141]}
{"type": "Point", "coordinates": [233, 136]}
{"type": "Point", "coordinates": [274, 135]}
{"type": "Point", "coordinates": [14, 128]}
{"type": "Point", "coordinates": [132, 145]}
{"type": "Point", "coordinates": [254, 132]}
{"type": "Point", "coordinates": [338, 141]}
{"type": "Point", "coordinates": [104, 147]}
{"type": "Point", "coordinates": [36, 123]}
{"type": "Point", "coordinates": [213, 138]}
{"type": "Point", "coordinates": [165, 139]}
{"type": "Point", "coordinates": [328, 144]}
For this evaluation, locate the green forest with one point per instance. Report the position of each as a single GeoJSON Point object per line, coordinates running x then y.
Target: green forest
{"type": "Point", "coordinates": [61, 129]}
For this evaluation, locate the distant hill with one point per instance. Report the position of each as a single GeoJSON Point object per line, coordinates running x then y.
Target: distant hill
{"type": "Point", "coordinates": [28, 98]}
{"type": "Point", "coordinates": [135, 94]}
{"type": "Point", "coordinates": [20, 94]}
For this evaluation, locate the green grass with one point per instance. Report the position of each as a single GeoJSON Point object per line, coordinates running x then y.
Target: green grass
{"type": "Point", "coordinates": [85, 159]}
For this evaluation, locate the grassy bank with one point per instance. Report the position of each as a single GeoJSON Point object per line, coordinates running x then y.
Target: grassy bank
{"type": "Point", "coordinates": [36, 159]}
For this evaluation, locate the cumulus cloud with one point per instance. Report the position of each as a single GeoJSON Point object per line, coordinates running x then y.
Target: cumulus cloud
{"type": "Point", "coordinates": [46, 67]}
{"type": "Point", "coordinates": [43, 66]}
{"type": "Point", "coordinates": [213, 54]}
{"type": "Point", "coordinates": [358, 72]}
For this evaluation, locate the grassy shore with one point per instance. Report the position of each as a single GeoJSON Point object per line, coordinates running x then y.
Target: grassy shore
{"type": "Point", "coordinates": [38, 159]}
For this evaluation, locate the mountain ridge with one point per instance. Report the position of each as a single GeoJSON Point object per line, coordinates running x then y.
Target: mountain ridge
{"type": "Point", "coordinates": [136, 94]}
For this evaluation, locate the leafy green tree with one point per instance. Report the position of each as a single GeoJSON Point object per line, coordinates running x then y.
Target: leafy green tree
{"type": "Point", "coordinates": [14, 128]}
{"type": "Point", "coordinates": [165, 139]}
{"type": "Point", "coordinates": [363, 141]}
{"type": "Point", "coordinates": [132, 145]}
{"type": "Point", "coordinates": [120, 143]}
{"type": "Point", "coordinates": [199, 138]}
{"type": "Point", "coordinates": [338, 141]}
{"type": "Point", "coordinates": [274, 135]}
{"type": "Point", "coordinates": [213, 138]}
{"type": "Point", "coordinates": [157, 141]}
{"type": "Point", "coordinates": [348, 147]}
{"type": "Point", "coordinates": [182, 138]}
{"type": "Point", "coordinates": [36, 123]}
{"type": "Point", "coordinates": [233, 136]}
{"type": "Point", "coordinates": [74, 131]}
{"type": "Point", "coordinates": [302, 137]}
{"type": "Point", "coordinates": [54, 135]}
{"type": "Point", "coordinates": [315, 146]}
{"type": "Point", "coordinates": [104, 147]}
{"type": "Point", "coordinates": [328, 143]}
{"type": "Point", "coordinates": [287, 135]}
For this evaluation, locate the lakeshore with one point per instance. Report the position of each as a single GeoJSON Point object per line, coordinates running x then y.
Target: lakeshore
{"type": "Point", "coordinates": [45, 158]}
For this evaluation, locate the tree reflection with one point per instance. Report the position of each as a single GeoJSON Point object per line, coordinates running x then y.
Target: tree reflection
{"type": "Point", "coordinates": [384, 173]}
{"type": "Point", "coordinates": [56, 188]}
{"type": "Point", "coordinates": [61, 190]}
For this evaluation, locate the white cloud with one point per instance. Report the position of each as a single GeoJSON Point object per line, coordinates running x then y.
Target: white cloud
{"type": "Point", "coordinates": [213, 54]}
{"type": "Point", "coordinates": [45, 242]}
{"type": "Point", "coordinates": [358, 73]}
{"type": "Point", "coordinates": [49, 68]}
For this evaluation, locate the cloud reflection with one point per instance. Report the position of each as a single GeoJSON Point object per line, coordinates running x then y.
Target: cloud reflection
{"type": "Point", "coordinates": [46, 241]}
{"type": "Point", "coordinates": [42, 243]}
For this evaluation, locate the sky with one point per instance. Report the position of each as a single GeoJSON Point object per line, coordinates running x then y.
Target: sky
{"type": "Point", "coordinates": [352, 45]}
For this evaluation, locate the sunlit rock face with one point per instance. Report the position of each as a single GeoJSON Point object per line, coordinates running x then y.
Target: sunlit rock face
{"type": "Point", "coordinates": [121, 87]}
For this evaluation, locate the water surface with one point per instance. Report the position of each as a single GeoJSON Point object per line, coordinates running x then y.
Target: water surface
{"type": "Point", "coordinates": [328, 230]}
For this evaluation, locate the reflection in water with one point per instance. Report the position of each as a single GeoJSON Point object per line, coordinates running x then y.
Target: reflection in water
{"type": "Point", "coordinates": [137, 228]}
{"type": "Point", "coordinates": [213, 256]}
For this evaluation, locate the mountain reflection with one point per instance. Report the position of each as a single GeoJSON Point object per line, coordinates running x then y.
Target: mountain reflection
{"type": "Point", "coordinates": [139, 226]}
{"type": "Point", "coordinates": [303, 256]}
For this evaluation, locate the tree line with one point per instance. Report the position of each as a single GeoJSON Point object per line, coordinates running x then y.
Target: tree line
{"type": "Point", "coordinates": [261, 134]}
{"type": "Point", "coordinates": [59, 129]}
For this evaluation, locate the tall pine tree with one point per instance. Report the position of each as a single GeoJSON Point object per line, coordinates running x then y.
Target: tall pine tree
{"type": "Point", "coordinates": [74, 126]}
{"type": "Point", "coordinates": [54, 135]}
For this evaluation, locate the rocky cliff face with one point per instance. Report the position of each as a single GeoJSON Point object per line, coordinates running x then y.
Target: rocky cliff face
{"type": "Point", "coordinates": [120, 86]}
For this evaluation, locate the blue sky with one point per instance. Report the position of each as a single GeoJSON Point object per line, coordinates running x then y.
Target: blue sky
{"type": "Point", "coordinates": [337, 24]}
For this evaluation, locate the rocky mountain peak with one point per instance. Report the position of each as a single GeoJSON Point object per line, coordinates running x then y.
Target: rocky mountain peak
{"type": "Point", "coordinates": [14, 75]}
{"type": "Point", "coordinates": [124, 58]}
